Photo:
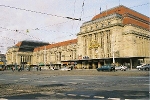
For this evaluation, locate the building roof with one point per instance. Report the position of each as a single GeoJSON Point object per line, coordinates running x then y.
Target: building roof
{"type": "Point", "coordinates": [129, 16]}
{"type": "Point", "coordinates": [29, 45]}
{"type": "Point", "coordinates": [64, 43]}
{"type": "Point", "coordinates": [18, 44]}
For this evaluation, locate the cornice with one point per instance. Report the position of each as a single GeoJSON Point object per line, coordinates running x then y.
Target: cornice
{"type": "Point", "coordinates": [136, 33]}
{"type": "Point", "coordinates": [98, 29]}
{"type": "Point", "coordinates": [101, 19]}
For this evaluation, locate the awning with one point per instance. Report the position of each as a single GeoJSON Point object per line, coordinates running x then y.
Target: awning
{"type": "Point", "coordinates": [41, 64]}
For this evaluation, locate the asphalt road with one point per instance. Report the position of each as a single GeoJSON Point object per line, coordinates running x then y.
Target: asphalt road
{"type": "Point", "coordinates": [75, 84]}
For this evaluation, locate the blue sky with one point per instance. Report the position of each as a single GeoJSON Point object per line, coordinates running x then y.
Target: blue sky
{"type": "Point", "coordinates": [17, 25]}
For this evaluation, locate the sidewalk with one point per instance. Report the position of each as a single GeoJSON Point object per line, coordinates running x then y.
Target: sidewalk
{"type": "Point", "coordinates": [80, 72]}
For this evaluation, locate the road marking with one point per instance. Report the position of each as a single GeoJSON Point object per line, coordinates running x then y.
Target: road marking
{"type": "Point", "coordinates": [60, 94]}
{"type": "Point", "coordinates": [72, 94]}
{"type": "Point", "coordinates": [72, 82]}
{"type": "Point", "coordinates": [19, 90]}
{"type": "Point", "coordinates": [28, 91]}
{"type": "Point", "coordinates": [85, 83]}
{"type": "Point", "coordinates": [39, 81]}
{"type": "Point", "coordinates": [23, 78]}
{"type": "Point", "coordinates": [100, 97]}
{"type": "Point", "coordinates": [84, 95]}
{"type": "Point", "coordinates": [15, 80]}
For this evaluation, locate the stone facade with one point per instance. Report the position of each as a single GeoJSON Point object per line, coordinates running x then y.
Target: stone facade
{"type": "Point", "coordinates": [15, 57]}
{"type": "Point", "coordinates": [118, 35]}
{"type": "Point", "coordinates": [57, 54]}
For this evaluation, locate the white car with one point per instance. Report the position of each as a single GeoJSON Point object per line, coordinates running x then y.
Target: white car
{"type": "Point", "coordinates": [65, 69]}
{"type": "Point", "coordinates": [122, 68]}
{"type": "Point", "coordinates": [140, 66]}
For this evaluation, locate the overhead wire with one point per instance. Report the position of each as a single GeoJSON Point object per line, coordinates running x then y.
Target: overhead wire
{"type": "Point", "coordinates": [139, 5]}
{"type": "Point", "coordinates": [27, 30]}
{"type": "Point", "coordinates": [19, 31]}
{"type": "Point", "coordinates": [82, 12]}
{"type": "Point", "coordinates": [38, 12]}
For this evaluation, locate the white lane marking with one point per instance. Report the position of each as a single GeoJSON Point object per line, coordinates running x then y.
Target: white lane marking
{"type": "Point", "coordinates": [84, 95]}
{"type": "Point", "coordinates": [28, 91]}
{"type": "Point", "coordinates": [100, 97]}
{"type": "Point", "coordinates": [85, 83]}
{"type": "Point", "coordinates": [2, 79]}
{"type": "Point", "coordinates": [9, 89]}
{"type": "Point", "coordinates": [15, 80]}
{"type": "Point", "coordinates": [23, 78]}
{"type": "Point", "coordinates": [60, 94]}
{"type": "Point", "coordinates": [19, 90]}
{"type": "Point", "coordinates": [113, 98]}
{"type": "Point", "coordinates": [72, 94]}
{"type": "Point", "coordinates": [72, 82]}
{"type": "Point", "coordinates": [40, 81]}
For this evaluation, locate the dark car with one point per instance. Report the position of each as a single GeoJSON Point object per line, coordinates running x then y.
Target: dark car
{"type": "Point", "coordinates": [106, 68]}
{"type": "Point", "coordinates": [146, 67]}
{"type": "Point", "coordinates": [2, 68]}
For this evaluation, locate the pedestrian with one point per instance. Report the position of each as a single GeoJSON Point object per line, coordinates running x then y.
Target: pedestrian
{"type": "Point", "coordinates": [18, 68]}
{"type": "Point", "coordinates": [12, 68]}
{"type": "Point", "coordinates": [29, 68]}
{"type": "Point", "coordinates": [37, 68]}
{"type": "Point", "coordinates": [113, 67]}
{"type": "Point", "coordinates": [40, 69]}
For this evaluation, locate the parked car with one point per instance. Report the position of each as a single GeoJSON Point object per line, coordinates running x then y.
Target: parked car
{"type": "Point", "coordinates": [140, 66]}
{"type": "Point", "coordinates": [65, 69]}
{"type": "Point", "coordinates": [146, 67]}
{"type": "Point", "coordinates": [106, 68]}
{"type": "Point", "coordinates": [122, 68]}
{"type": "Point", "coordinates": [2, 68]}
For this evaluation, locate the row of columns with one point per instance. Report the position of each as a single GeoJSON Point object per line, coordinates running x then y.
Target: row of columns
{"type": "Point", "coordinates": [26, 59]}
{"type": "Point", "coordinates": [105, 43]}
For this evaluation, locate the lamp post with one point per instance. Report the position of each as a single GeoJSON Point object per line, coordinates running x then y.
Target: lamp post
{"type": "Point", "coordinates": [113, 55]}
{"type": "Point", "coordinates": [45, 56]}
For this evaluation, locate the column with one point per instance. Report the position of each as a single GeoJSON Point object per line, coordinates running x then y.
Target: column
{"type": "Point", "coordinates": [131, 63]}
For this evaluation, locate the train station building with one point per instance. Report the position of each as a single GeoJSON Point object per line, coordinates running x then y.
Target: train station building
{"type": "Point", "coordinates": [118, 35]}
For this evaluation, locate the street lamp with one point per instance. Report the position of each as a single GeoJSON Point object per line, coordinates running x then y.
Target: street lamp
{"type": "Point", "coordinates": [113, 55]}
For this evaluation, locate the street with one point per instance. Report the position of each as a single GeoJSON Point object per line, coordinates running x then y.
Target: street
{"type": "Point", "coordinates": [75, 84]}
